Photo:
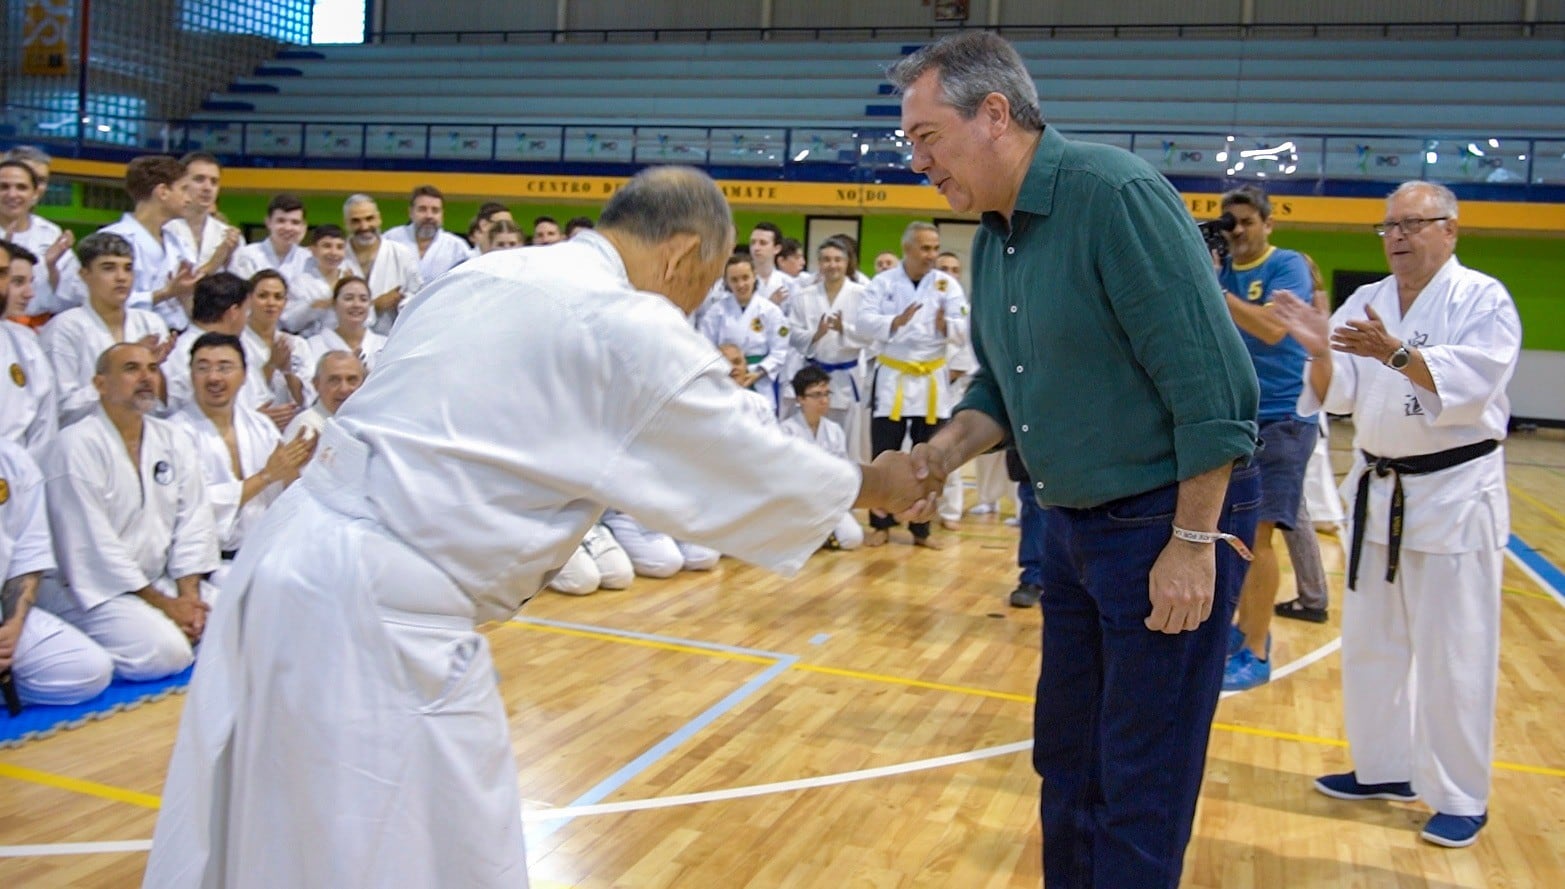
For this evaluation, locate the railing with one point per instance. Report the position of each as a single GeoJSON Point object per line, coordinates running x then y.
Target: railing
{"type": "Point", "coordinates": [1527, 168]}
{"type": "Point", "coordinates": [1427, 30]}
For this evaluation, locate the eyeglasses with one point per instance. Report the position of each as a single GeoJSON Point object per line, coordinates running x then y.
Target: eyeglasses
{"type": "Point", "coordinates": [1409, 226]}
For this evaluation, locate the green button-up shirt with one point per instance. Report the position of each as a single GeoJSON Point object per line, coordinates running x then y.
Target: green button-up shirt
{"type": "Point", "coordinates": [1108, 353]}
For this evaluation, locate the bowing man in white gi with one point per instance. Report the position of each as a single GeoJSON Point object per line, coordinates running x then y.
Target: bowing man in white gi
{"type": "Point", "coordinates": [199, 233]}
{"type": "Point", "coordinates": [358, 738]}
{"type": "Point", "coordinates": [280, 362]}
{"type": "Point", "coordinates": [279, 250]}
{"type": "Point", "coordinates": [438, 250]}
{"type": "Point", "coordinates": [24, 177]}
{"type": "Point", "coordinates": [1421, 361]}
{"type": "Point", "coordinates": [914, 312]}
{"type": "Point", "coordinates": [28, 408]}
{"type": "Point", "coordinates": [390, 268]}
{"type": "Point", "coordinates": [820, 329]}
{"type": "Point", "coordinates": [813, 389]}
{"type": "Point", "coordinates": [244, 460]}
{"type": "Point", "coordinates": [75, 339]}
{"type": "Point", "coordinates": [132, 526]}
{"type": "Point", "coordinates": [338, 374]}
{"type": "Point", "coordinates": [165, 274]}
{"type": "Point", "coordinates": [352, 307]}
{"type": "Point", "coordinates": [51, 661]}
{"type": "Point", "coordinates": [752, 323]}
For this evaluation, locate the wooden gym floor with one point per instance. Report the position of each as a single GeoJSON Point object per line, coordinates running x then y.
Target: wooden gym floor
{"type": "Point", "coordinates": [866, 724]}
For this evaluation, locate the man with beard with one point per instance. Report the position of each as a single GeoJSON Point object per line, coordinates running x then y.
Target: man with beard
{"type": "Point", "coordinates": [133, 531]}
{"type": "Point", "coordinates": [438, 250]}
{"type": "Point", "coordinates": [280, 248]}
{"type": "Point", "coordinates": [199, 233]}
{"type": "Point", "coordinates": [391, 269]}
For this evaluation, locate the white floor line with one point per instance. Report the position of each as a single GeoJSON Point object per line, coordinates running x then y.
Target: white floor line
{"type": "Point", "coordinates": [1295, 666]}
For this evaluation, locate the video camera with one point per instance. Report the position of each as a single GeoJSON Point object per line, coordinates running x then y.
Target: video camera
{"type": "Point", "coordinates": [1212, 232]}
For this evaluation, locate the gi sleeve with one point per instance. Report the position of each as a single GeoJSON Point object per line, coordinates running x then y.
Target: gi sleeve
{"type": "Point", "coordinates": [27, 520]}
{"type": "Point", "coordinates": [1341, 396]}
{"type": "Point", "coordinates": [1158, 277]}
{"type": "Point", "coordinates": [94, 559]}
{"type": "Point", "coordinates": [703, 469]}
{"type": "Point", "coordinates": [954, 301]}
{"type": "Point", "coordinates": [1474, 368]}
{"type": "Point", "coordinates": [195, 547]}
{"type": "Point", "coordinates": [877, 308]}
{"type": "Point", "coordinates": [776, 344]}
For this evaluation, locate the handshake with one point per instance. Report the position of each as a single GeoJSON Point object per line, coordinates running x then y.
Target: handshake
{"type": "Point", "coordinates": [906, 485]}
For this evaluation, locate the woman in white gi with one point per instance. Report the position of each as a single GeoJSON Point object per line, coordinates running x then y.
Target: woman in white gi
{"type": "Point", "coordinates": [351, 305]}
{"type": "Point", "coordinates": [57, 285]}
{"type": "Point", "coordinates": [280, 363]}
{"type": "Point", "coordinates": [345, 727]}
{"type": "Point", "coordinates": [755, 325]}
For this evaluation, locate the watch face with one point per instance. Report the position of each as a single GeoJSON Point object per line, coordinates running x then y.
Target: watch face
{"type": "Point", "coordinates": [1399, 359]}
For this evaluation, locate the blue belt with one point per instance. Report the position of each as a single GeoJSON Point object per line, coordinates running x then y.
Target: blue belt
{"type": "Point", "coordinates": [843, 365]}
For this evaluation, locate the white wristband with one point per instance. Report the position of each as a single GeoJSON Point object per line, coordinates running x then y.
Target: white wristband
{"type": "Point", "coordinates": [1212, 537]}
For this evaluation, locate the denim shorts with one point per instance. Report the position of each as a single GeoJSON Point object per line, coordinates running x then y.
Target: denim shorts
{"type": "Point", "coordinates": [1283, 457]}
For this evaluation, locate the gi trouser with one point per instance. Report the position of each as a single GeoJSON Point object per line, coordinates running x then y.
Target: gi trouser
{"type": "Point", "coordinates": [1123, 713]}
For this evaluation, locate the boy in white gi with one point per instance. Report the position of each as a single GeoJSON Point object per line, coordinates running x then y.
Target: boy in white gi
{"type": "Point", "coordinates": [812, 386]}
{"type": "Point", "coordinates": [165, 274]}
{"type": "Point", "coordinates": [1421, 361]}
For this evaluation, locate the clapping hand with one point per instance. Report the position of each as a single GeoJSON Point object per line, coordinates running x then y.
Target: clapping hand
{"type": "Point", "coordinates": [1307, 324]}
{"type": "Point", "coordinates": [1366, 339]}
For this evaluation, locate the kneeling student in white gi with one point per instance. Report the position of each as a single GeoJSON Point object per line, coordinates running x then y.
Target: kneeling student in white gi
{"type": "Point", "coordinates": [812, 386]}
{"type": "Point", "coordinates": [337, 375]}
{"type": "Point", "coordinates": [132, 525]}
{"type": "Point", "coordinates": [51, 661]}
{"type": "Point", "coordinates": [244, 461]}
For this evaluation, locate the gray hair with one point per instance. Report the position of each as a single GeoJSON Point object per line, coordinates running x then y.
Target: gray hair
{"type": "Point", "coordinates": [357, 199]}
{"type": "Point", "coordinates": [335, 355]}
{"type": "Point", "coordinates": [661, 202]}
{"type": "Point", "coordinates": [28, 154]}
{"type": "Point", "coordinates": [910, 234]}
{"type": "Point", "coordinates": [106, 357]}
{"type": "Point", "coordinates": [1444, 198]}
{"type": "Point", "coordinates": [972, 65]}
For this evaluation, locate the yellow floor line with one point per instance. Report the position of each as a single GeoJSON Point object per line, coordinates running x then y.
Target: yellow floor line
{"type": "Point", "coordinates": [916, 683]}
{"type": "Point", "coordinates": [1546, 508]}
{"type": "Point", "coordinates": [77, 785]}
{"type": "Point", "coordinates": [644, 643]}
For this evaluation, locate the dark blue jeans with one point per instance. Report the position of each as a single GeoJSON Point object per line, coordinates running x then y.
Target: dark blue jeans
{"type": "Point", "coordinates": [1124, 713]}
{"type": "Point", "coordinates": [1029, 550]}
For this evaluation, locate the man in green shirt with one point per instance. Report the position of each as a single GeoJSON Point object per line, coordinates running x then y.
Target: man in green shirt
{"type": "Point", "coordinates": [1110, 363]}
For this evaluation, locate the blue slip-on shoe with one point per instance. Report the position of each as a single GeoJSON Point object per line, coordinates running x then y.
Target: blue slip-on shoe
{"type": "Point", "coordinates": [1244, 671]}
{"type": "Point", "coordinates": [1454, 831]}
{"type": "Point", "coordinates": [1347, 786]}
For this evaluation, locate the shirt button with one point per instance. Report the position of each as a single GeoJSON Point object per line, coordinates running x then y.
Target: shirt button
{"type": "Point", "coordinates": [1010, 250]}
{"type": "Point", "coordinates": [1013, 310]}
{"type": "Point", "coordinates": [1018, 368]}
{"type": "Point", "coordinates": [1024, 427]}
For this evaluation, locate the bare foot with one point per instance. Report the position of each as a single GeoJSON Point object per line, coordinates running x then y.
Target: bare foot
{"type": "Point", "coordinates": [950, 525]}
{"type": "Point", "coordinates": [928, 543]}
{"type": "Point", "coordinates": [877, 537]}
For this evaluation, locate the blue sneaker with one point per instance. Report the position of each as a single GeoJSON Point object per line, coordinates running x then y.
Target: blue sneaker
{"type": "Point", "coordinates": [1244, 670]}
{"type": "Point", "coordinates": [1347, 786]}
{"type": "Point", "coordinates": [1454, 831]}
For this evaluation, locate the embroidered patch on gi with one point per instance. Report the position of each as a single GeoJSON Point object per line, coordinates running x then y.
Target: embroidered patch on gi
{"type": "Point", "coordinates": [18, 376]}
{"type": "Point", "coordinates": [756, 325]}
{"type": "Point", "coordinates": [942, 285]}
{"type": "Point", "coordinates": [162, 472]}
{"type": "Point", "coordinates": [783, 330]}
{"type": "Point", "coordinates": [5, 491]}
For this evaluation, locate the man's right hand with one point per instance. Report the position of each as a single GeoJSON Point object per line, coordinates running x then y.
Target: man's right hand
{"type": "Point", "coordinates": [905, 316]}
{"type": "Point", "coordinates": [1307, 324]}
{"type": "Point", "coordinates": [187, 612]}
{"type": "Point", "coordinates": [388, 301]}
{"type": "Point", "coordinates": [891, 485]}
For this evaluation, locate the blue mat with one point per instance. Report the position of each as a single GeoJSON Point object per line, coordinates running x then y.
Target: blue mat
{"type": "Point", "coordinates": [39, 721]}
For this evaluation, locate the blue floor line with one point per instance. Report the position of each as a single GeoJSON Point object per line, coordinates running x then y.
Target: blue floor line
{"type": "Point", "coordinates": [1553, 578]}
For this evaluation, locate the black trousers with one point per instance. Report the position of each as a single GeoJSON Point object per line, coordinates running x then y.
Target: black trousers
{"type": "Point", "coordinates": [886, 434]}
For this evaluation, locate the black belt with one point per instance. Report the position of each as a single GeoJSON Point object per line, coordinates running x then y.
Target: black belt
{"type": "Point", "coordinates": [227, 555]}
{"type": "Point", "coordinates": [1418, 464]}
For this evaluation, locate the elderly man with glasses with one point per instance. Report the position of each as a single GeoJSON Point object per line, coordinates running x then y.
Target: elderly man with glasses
{"type": "Point", "coordinates": [1421, 361]}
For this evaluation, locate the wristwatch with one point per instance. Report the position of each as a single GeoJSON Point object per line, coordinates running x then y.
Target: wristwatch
{"type": "Point", "coordinates": [1400, 358]}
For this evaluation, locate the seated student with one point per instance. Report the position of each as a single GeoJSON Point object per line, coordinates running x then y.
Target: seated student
{"type": "Point", "coordinates": [504, 235]}
{"type": "Point", "coordinates": [280, 250]}
{"type": "Point", "coordinates": [752, 323]}
{"type": "Point", "coordinates": [28, 414]}
{"type": "Point", "coordinates": [489, 213]}
{"type": "Point", "coordinates": [134, 538]}
{"type": "Point", "coordinates": [24, 178]}
{"type": "Point", "coordinates": [351, 304]}
{"type": "Point", "coordinates": [599, 562]}
{"type": "Point", "coordinates": [50, 661]}
{"type": "Point", "coordinates": [309, 309]}
{"type": "Point", "coordinates": [812, 387]}
{"type": "Point", "coordinates": [279, 362]}
{"type": "Point", "coordinates": [76, 338]}
{"type": "Point", "coordinates": [244, 460]}
{"type": "Point", "coordinates": [576, 224]}
{"type": "Point", "coordinates": [221, 305]}
{"type": "Point", "coordinates": [337, 375]}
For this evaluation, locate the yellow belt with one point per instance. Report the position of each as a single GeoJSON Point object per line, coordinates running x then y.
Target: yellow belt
{"type": "Point", "coordinates": [916, 369]}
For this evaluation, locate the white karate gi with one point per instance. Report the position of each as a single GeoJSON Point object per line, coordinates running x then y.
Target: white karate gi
{"type": "Point", "coordinates": [54, 663]}
{"type": "Point", "coordinates": [310, 422]}
{"type": "Point", "coordinates": [251, 258]}
{"type": "Point", "coordinates": [898, 393]}
{"type": "Point", "coordinates": [331, 341]}
{"type": "Point", "coordinates": [74, 339]}
{"type": "Point", "coordinates": [257, 437]}
{"type": "Point", "coordinates": [177, 383]}
{"type": "Point", "coordinates": [768, 287]}
{"type": "Point", "coordinates": [301, 363]}
{"type": "Point", "coordinates": [29, 411]}
{"type": "Point", "coordinates": [445, 252]}
{"type": "Point", "coordinates": [829, 437]}
{"type": "Point", "coordinates": [655, 554]}
{"type": "Point", "coordinates": [305, 289]}
{"type": "Point", "coordinates": [599, 562]}
{"type": "Point", "coordinates": [155, 261]}
{"type": "Point", "coordinates": [396, 265]}
{"type": "Point", "coordinates": [835, 349]}
{"type": "Point", "coordinates": [119, 528]}
{"type": "Point", "coordinates": [212, 232]}
{"type": "Point", "coordinates": [71, 291]}
{"type": "Point", "coordinates": [761, 333]}
{"type": "Point", "coordinates": [1420, 655]}
{"type": "Point", "coordinates": [358, 738]}
{"type": "Point", "coordinates": [1322, 500]}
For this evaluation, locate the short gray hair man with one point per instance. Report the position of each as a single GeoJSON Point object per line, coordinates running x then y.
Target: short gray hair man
{"type": "Point", "coordinates": [971, 67]}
